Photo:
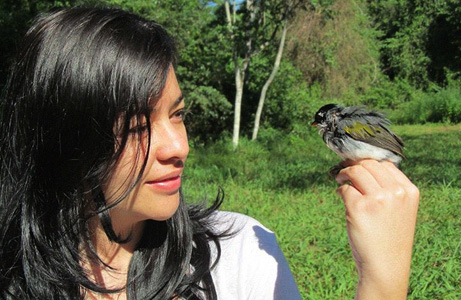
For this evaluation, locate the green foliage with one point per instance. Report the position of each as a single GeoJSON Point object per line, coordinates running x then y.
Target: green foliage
{"type": "Point", "coordinates": [339, 45]}
{"type": "Point", "coordinates": [289, 100]}
{"type": "Point", "coordinates": [259, 24]}
{"type": "Point", "coordinates": [209, 114]}
{"type": "Point", "coordinates": [438, 105]}
{"type": "Point", "coordinates": [336, 46]}
{"type": "Point", "coordinates": [420, 39]}
{"type": "Point", "coordinates": [393, 55]}
{"type": "Point", "coordinates": [281, 180]}
{"type": "Point", "coordinates": [384, 95]}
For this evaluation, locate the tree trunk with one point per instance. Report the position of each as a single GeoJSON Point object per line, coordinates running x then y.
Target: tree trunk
{"type": "Point", "coordinates": [239, 80]}
{"type": "Point", "coordinates": [238, 75]}
{"type": "Point", "coordinates": [262, 97]}
{"type": "Point", "coordinates": [240, 70]}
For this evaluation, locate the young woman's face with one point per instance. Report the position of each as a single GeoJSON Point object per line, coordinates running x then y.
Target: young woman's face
{"type": "Point", "coordinates": [156, 195]}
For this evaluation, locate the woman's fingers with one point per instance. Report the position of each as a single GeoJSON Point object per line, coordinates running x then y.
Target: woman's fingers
{"type": "Point", "coordinates": [381, 172]}
{"type": "Point", "coordinates": [359, 177]}
{"type": "Point", "coordinates": [385, 174]}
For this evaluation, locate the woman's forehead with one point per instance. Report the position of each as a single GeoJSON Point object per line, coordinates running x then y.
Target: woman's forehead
{"type": "Point", "coordinates": [170, 95]}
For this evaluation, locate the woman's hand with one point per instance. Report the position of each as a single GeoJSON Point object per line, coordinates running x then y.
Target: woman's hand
{"type": "Point", "coordinates": [381, 208]}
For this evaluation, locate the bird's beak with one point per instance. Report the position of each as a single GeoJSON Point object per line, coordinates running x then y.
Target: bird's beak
{"type": "Point", "coordinates": [314, 123]}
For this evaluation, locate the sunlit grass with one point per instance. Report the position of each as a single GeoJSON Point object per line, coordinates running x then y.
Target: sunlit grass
{"type": "Point", "coordinates": [282, 181]}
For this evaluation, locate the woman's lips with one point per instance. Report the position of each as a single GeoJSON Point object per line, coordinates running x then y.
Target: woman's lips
{"type": "Point", "coordinates": [170, 184]}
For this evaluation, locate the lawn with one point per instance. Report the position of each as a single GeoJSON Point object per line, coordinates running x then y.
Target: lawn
{"type": "Point", "coordinates": [282, 181]}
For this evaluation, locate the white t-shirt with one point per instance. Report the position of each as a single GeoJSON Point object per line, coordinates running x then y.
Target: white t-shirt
{"type": "Point", "coordinates": [251, 266]}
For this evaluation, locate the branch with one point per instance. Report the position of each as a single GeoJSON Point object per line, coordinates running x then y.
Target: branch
{"type": "Point", "coordinates": [228, 16]}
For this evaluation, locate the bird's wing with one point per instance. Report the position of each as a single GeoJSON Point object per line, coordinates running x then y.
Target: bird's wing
{"type": "Point", "coordinates": [375, 135]}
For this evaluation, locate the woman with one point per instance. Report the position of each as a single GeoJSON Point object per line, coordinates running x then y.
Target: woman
{"type": "Point", "coordinates": [93, 146]}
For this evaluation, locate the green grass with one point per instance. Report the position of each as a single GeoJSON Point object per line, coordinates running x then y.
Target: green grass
{"type": "Point", "coordinates": [281, 181]}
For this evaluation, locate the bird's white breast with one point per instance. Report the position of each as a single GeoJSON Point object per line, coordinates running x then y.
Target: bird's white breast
{"type": "Point", "coordinates": [354, 150]}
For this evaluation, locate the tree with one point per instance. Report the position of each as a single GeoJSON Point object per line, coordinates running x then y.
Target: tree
{"type": "Point", "coordinates": [421, 39]}
{"type": "Point", "coordinates": [240, 65]}
{"type": "Point", "coordinates": [289, 8]}
{"type": "Point", "coordinates": [264, 89]}
{"type": "Point", "coordinates": [252, 28]}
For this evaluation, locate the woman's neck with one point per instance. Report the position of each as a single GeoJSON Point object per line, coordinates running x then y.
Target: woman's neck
{"type": "Point", "coordinates": [116, 257]}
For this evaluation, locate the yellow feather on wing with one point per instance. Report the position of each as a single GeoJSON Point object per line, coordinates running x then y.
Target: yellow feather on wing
{"type": "Point", "coordinates": [375, 135]}
{"type": "Point", "coordinates": [360, 130]}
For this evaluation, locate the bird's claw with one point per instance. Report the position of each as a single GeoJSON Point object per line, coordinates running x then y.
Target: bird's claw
{"type": "Point", "coordinates": [333, 171]}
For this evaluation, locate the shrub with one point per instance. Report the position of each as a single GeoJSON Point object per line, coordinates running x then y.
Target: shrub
{"type": "Point", "coordinates": [209, 114]}
{"type": "Point", "coordinates": [387, 94]}
{"type": "Point", "coordinates": [438, 105]}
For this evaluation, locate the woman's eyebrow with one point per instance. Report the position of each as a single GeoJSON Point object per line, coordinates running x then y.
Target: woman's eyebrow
{"type": "Point", "coordinates": [178, 101]}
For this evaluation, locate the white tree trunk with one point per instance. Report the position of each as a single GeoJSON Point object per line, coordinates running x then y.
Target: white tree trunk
{"type": "Point", "coordinates": [239, 78]}
{"type": "Point", "coordinates": [240, 70]}
{"type": "Point", "coordinates": [275, 69]}
{"type": "Point", "coordinates": [253, 7]}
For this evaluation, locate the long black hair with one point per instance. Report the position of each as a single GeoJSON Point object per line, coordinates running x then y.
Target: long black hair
{"type": "Point", "coordinates": [79, 70]}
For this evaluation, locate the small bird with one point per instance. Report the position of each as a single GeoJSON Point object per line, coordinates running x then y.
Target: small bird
{"type": "Point", "coordinates": [354, 132]}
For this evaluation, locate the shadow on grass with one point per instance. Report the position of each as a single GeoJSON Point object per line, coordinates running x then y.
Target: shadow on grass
{"type": "Point", "coordinates": [304, 180]}
{"type": "Point", "coordinates": [434, 158]}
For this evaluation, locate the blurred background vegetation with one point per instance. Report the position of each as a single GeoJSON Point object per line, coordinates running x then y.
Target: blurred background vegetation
{"type": "Point", "coordinates": [399, 56]}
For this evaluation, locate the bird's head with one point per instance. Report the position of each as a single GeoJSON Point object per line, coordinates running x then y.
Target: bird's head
{"type": "Point", "coordinates": [320, 118]}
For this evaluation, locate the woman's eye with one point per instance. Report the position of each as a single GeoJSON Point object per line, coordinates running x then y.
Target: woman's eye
{"type": "Point", "coordinates": [180, 114]}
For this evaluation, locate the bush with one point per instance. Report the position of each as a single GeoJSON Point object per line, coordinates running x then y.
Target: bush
{"type": "Point", "coordinates": [289, 100]}
{"type": "Point", "coordinates": [439, 105]}
{"type": "Point", "coordinates": [209, 114]}
{"type": "Point", "coordinates": [387, 94]}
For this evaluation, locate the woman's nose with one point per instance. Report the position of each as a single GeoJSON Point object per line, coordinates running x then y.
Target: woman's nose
{"type": "Point", "coordinates": [172, 144]}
